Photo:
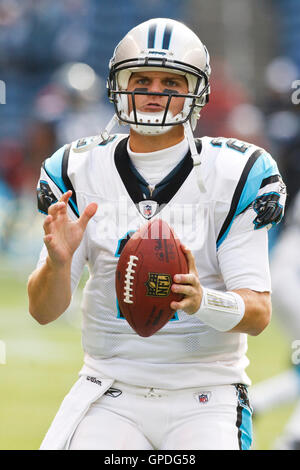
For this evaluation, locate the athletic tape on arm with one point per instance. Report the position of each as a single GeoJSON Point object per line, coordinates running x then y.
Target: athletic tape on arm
{"type": "Point", "coordinates": [221, 310]}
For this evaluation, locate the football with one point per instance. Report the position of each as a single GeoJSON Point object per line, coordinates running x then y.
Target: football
{"type": "Point", "coordinates": [144, 276]}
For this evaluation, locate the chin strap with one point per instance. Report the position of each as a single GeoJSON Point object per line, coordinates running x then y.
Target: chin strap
{"type": "Point", "coordinates": [99, 138]}
{"type": "Point", "coordinates": [195, 155]}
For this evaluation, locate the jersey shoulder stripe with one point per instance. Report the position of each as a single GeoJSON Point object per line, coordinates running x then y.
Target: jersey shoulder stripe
{"type": "Point", "coordinates": [56, 168]}
{"type": "Point", "coordinates": [270, 180]}
{"type": "Point", "coordinates": [259, 170]}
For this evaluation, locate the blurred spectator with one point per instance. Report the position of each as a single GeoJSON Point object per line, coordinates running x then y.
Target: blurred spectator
{"type": "Point", "coordinates": [13, 176]}
{"type": "Point", "coordinates": [231, 112]}
{"type": "Point", "coordinates": [283, 120]}
{"type": "Point", "coordinates": [54, 61]}
{"type": "Point", "coordinates": [288, 20]}
{"type": "Point", "coordinates": [38, 37]}
{"type": "Point", "coordinates": [13, 169]}
{"type": "Point", "coordinates": [70, 106]}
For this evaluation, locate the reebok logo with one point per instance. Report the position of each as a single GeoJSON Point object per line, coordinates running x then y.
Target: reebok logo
{"type": "Point", "coordinates": [113, 392]}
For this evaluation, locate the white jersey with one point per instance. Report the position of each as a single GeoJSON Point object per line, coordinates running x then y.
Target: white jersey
{"type": "Point", "coordinates": [221, 226]}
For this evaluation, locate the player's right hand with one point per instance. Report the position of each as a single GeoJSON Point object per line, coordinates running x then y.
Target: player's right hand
{"type": "Point", "coordinates": [189, 285]}
{"type": "Point", "coordinates": [63, 235]}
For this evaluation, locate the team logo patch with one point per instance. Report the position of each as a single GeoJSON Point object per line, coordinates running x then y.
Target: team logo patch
{"type": "Point", "coordinates": [45, 197]}
{"type": "Point", "coordinates": [147, 208]}
{"type": "Point", "coordinates": [158, 284]}
{"type": "Point", "coordinates": [242, 394]}
{"type": "Point", "coordinates": [203, 397]}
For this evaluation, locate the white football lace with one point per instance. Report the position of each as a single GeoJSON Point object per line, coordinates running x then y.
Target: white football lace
{"type": "Point", "coordinates": [129, 278]}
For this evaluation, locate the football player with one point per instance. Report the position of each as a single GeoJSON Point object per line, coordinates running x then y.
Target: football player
{"type": "Point", "coordinates": [185, 387]}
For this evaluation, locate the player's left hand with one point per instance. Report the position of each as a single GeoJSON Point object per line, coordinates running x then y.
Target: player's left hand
{"type": "Point", "coordinates": [188, 285]}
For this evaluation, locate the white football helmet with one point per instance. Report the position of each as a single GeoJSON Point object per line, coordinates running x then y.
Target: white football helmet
{"type": "Point", "coordinates": [165, 45]}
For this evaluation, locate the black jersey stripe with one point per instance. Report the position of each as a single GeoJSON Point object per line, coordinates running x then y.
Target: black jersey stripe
{"type": "Point", "coordinates": [122, 162]}
{"type": "Point", "coordinates": [239, 423]}
{"type": "Point", "coordinates": [269, 180]}
{"type": "Point", "coordinates": [238, 192]}
{"type": "Point", "coordinates": [65, 177]}
{"type": "Point", "coordinates": [131, 181]}
{"type": "Point", "coordinates": [169, 190]}
{"type": "Point", "coordinates": [67, 181]}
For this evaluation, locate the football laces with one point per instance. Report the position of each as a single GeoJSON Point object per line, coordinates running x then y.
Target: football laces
{"type": "Point", "coordinates": [129, 279]}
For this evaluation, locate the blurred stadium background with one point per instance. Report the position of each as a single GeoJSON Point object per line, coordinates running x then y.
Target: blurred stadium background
{"type": "Point", "coordinates": [53, 64]}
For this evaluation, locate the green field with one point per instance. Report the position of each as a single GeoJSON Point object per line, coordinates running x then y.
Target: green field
{"type": "Point", "coordinates": [42, 363]}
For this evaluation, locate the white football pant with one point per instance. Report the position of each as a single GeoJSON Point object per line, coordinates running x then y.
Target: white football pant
{"type": "Point", "coordinates": [136, 418]}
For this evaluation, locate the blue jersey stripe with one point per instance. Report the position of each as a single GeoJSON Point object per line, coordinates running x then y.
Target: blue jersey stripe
{"type": "Point", "coordinates": [53, 168]}
{"type": "Point", "coordinates": [261, 168]}
{"type": "Point", "coordinates": [246, 433]}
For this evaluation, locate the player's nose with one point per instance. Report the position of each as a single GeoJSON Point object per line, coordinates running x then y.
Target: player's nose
{"type": "Point", "coordinates": [156, 86]}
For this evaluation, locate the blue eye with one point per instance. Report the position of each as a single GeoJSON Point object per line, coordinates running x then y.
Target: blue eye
{"type": "Point", "coordinates": [172, 83]}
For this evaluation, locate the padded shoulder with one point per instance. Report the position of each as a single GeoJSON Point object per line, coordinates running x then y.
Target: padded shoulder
{"type": "Point", "coordinates": [239, 171]}
{"type": "Point", "coordinates": [56, 168]}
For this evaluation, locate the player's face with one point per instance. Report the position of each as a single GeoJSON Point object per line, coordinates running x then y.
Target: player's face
{"type": "Point", "coordinates": [157, 82]}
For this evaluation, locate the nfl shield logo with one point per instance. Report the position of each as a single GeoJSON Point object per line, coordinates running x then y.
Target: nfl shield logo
{"type": "Point", "coordinates": [202, 397]}
{"type": "Point", "coordinates": [147, 208]}
{"type": "Point", "coordinates": [158, 284]}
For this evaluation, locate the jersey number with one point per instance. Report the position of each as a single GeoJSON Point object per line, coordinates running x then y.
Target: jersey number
{"type": "Point", "coordinates": [231, 143]}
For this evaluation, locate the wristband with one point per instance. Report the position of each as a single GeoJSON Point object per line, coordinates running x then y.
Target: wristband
{"type": "Point", "coordinates": [221, 310]}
